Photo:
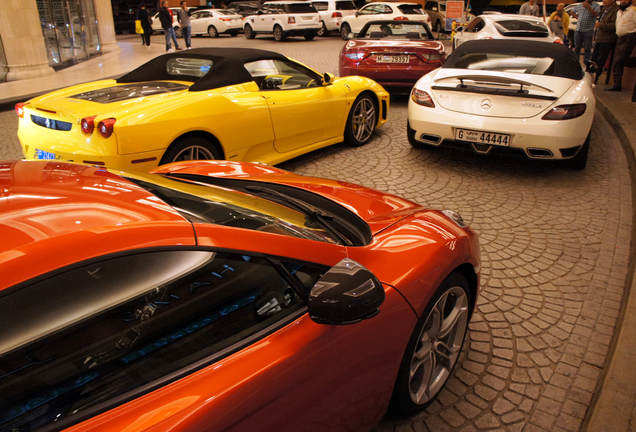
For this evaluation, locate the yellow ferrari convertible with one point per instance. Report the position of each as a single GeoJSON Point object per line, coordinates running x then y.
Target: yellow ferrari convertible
{"type": "Point", "coordinates": [208, 103]}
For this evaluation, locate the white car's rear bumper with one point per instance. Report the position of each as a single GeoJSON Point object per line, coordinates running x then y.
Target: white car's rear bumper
{"type": "Point", "coordinates": [536, 138]}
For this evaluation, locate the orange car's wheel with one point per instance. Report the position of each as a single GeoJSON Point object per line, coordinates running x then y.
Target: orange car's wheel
{"type": "Point", "coordinates": [362, 120]}
{"type": "Point", "coordinates": [434, 347]}
{"type": "Point", "coordinates": [190, 148]}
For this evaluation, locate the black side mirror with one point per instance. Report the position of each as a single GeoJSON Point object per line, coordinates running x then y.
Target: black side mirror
{"type": "Point", "coordinates": [346, 294]}
{"type": "Point", "coordinates": [591, 67]}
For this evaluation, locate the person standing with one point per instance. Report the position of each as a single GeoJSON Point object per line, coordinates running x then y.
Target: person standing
{"type": "Point", "coordinates": [605, 35]}
{"type": "Point", "coordinates": [145, 18]}
{"type": "Point", "coordinates": [530, 8]}
{"type": "Point", "coordinates": [183, 16]}
{"type": "Point", "coordinates": [586, 13]}
{"type": "Point", "coordinates": [626, 32]}
{"type": "Point", "coordinates": [165, 16]}
{"type": "Point", "coordinates": [559, 22]}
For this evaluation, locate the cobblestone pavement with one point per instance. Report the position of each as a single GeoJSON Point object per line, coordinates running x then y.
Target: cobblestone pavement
{"type": "Point", "coordinates": [555, 248]}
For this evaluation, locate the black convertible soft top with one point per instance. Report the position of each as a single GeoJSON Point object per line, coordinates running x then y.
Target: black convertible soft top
{"type": "Point", "coordinates": [565, 63]}
{"type": "Point", "coordinates": [228, 67]}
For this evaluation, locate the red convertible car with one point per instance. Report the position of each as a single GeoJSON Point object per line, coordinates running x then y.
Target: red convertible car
{"type": "Point", "coordinates": [394, 53]}
{"type": "Point", "coordinates": [222, 296]}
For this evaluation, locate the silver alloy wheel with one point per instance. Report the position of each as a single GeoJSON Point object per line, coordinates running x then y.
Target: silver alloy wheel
{"type": "Point", "coordinates": [177, 32]}
{"type": "Point", "coordinates": [194, 152]}
{"type": "Point", "coordinates": [438, 345]}
{"type": "Point", "coordinates": [363, 121]}
{"type": "Point", "coordinates": [212, 32]}
{"type": "Point", "coordinates": [278, 33]}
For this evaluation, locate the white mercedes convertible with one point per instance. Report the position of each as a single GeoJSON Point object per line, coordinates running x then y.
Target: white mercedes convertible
{"type": "Point", "coordinates": [506, 96]}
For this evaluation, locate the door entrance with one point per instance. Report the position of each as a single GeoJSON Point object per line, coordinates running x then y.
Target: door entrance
{"type": "Point", "coordinates": [70, 31]}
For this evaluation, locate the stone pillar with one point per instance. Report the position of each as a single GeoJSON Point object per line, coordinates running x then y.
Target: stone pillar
{"type": "Point", "coordinates": [23, 41]}
{"type": "Point", "coordinates": [105, 25]}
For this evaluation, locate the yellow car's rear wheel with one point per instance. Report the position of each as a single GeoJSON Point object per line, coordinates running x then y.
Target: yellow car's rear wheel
{"type": "Point", "coordinates": [190, 148]}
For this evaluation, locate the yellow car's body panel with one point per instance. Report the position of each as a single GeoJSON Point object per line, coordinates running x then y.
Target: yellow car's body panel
{"type": "Point", "coordinates": [242, 121]}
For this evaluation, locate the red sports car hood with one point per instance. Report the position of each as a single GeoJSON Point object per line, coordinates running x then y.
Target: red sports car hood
{"type": "Point", "coordinates": [378, 209]}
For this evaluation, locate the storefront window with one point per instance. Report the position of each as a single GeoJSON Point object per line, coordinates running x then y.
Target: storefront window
{"type": "Point", "coordinates": [70, 31]}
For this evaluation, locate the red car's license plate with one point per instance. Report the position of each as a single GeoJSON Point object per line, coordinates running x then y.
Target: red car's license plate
{"type": "Point", "coordinates": [381, 58]}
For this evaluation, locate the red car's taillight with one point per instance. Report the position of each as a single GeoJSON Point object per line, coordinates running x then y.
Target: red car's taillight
{"type": "Point", "coordinates": [336, 15]}
{"type": "Point", "coordinates": [19, 109]}
{"type": "Point", "coordinates": [88, 124]}
{"type": "Point", "coordinates": [400, 18]}
{"type": "Point", "coordinates": [105, 127]}
{"type": "Point", "coordinates": [565, 112]}
{"type": "Point", "coordinates": [291, 20]}
{"type": "Point", "coordinates": [420, 97]}
{"type": "Point", "coordinates": [433, 57]}
{"type": "Point", "coordinates": [355, 56]}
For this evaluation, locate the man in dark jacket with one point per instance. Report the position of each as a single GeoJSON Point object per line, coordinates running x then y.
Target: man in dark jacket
{"type": "Point", "coordinates": [605, 35]}
{"type": "Point", "coordinates": [165, 16]}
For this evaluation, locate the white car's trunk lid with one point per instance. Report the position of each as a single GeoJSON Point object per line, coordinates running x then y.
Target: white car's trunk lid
{"type": "Point", "coordinates": [496, 94]}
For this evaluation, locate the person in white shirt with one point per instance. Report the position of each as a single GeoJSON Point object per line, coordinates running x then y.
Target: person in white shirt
{"type": "Point", "coordinates": [530, 8]}
{"type": "Point", "coordinates": [626, 32]}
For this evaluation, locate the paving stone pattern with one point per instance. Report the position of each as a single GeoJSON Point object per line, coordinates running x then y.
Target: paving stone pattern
{"type": "Point", "coordinates": [555, 248]}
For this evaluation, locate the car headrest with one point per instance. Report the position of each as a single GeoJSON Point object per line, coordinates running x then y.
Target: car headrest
{"type": "Point", "coordinates": [413, 35]}
{"type": "Point", "coordinates": [376, 35]}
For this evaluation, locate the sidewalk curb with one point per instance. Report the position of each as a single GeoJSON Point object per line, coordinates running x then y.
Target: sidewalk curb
{"type": "Point", "coordinates": [613, 407]}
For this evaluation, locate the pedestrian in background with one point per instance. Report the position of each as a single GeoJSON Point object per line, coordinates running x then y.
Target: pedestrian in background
{"type": "Point", "coordinates": [183, 16]}
{"type": "Point", "coordinates": [165, 16]}
{"type": "Point", "coordinates": [145, 19]}
{"type": "Point", "coordinates": [626, 32]}
{"type": "Point", "coordinates": [559, 22]}
{"type": "Point", "coordinates": [530, 8]}
{"type": "Point", "coordinates": [605, 35]}
{"type": "Point", "coordinates": [586, 13]}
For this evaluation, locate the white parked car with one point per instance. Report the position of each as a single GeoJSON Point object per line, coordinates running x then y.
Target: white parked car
{"type": "Point", "coordinates": [332, 13]}
{"type": "Point", "coordinates": [214, 22]}
{"type": "Point", "coordinates": [283, 19]}
{"type": "Point", "coordinates": [156, 23]}
{"type": "Point", "coordinates": [506, 96]}
{"type": "Point", "coordinates": [381, 11]}
{"type": "Point", "coordinates": [505, 26]}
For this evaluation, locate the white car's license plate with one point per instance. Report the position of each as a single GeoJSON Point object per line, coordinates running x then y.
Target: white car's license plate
{"type": "Point", "coordinates": [308, 18]}
{"type": "Point", "coordinates": [482, 137]}
{"type": "Point", "coordinates": [381, 58]}
{"type": "Point", "coordinates": [41, 154]}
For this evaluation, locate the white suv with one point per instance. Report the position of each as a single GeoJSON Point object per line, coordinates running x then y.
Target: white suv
{"type": "Point", "coordinates": [282, 19]}
{"type": "Point", "coordinates": [332, 12]}
{"type": "Point", "coordinates": [382, 11]}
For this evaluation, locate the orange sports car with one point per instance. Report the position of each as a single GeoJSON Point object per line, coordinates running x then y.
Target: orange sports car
{"type": "Point", "coordinates": [222, 296]}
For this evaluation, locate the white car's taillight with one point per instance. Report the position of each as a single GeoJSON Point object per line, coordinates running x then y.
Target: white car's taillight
{"type": "Point", "coordinates": [336, 15]}
{"type": "Point", "coordinates": [291, 20]}
{"type": "Point", "coordinates": [400, 18]}
{"type": "Point", "coordinates": [420, 97]}
{"type": "Point", "coordinates": [565, 112]}
{"type": "Point", "coordinates": [558, 41]}
{"type": "Point", "coordinates": [105, 127]}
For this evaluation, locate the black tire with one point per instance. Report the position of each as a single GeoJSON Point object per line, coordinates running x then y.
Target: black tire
{"type": "Point", "coordinates": [234, 33]}
{"type": "Point", "coordinates": [279, 35]}
{"type": "Point", "coordinates": [345, 29]}
{"type": "Point", "coordinates": [323, 32]}
{"type": "Point", "coordinates": [197, 35]}
{"type": "Point", "coordinates": [579, 162]}
{"type": "Point", "coordinates": [178, 32]}
{"type": "Point", "coordinates": [454, 43]}
{"type": "Point", "coordinates": [213, 32]}
{"type": "Point", "coordinates": [310, 36]}
{"type": "Point", "coordinates": [413, 390]}
{"type": "Point", "coordinates": [249, 33]}
{"type": "Point", "coordinates": [190, 148]}
{"type": "Point", "coordinates": [363, 117]}
{"type": "Point", "coordinates": [438, 26]}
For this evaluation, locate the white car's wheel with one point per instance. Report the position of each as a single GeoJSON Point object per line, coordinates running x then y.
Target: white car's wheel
{"type": "Point", "coordinates": [323, 30]}
{"type": "Point", "coordinates": [178, 32]}
{"type": "Point", "coordinates": [345, 29]}
{"type": "Point", "coordinates": [213, 32]}
{"type": "Point", "coordinates": [249, 33]}
{"type": "Point", "coordinates": [279, 35]}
